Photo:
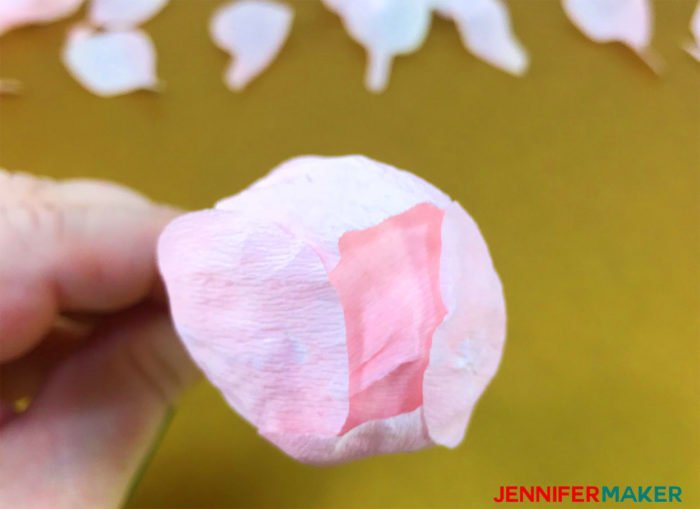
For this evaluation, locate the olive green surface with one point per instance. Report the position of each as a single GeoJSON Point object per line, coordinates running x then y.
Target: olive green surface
{"type": "Point", "coordinates": [584, 177]}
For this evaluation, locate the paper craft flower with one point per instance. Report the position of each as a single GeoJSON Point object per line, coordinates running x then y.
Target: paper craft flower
{"type": "Point", "coordinates": [343, 307]}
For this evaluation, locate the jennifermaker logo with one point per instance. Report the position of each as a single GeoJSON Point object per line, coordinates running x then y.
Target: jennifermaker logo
{"type": "Point", "coordinates": [598, 494]}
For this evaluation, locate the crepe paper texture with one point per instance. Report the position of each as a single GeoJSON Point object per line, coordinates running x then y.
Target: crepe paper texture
{"type": "Point", "coordinates": [17, 13]}
{"type": "Point", "coordinates": [626, 21]}
{"type": "Point", "coordinates": [694, 48]}
{"type": "Point", "coordinates": [485, 29]}
{"type": "Point", "coordinates": [111, 63]}
{"type": "Point", "coordinates": [343, 307]}
{"type": "Point", "coordinates": [120, 14]}
{"type": "Point", "coordinates": [253, 33]}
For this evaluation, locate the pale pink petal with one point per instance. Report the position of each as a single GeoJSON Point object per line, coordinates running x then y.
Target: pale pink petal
{"type": "Point", "coordinates": [255, 308]}
{"type": "Point", "coordinates": [389, 286]}
{"type": "Point", "coordinates": [467, 346]}
{"type": "Point", "coordinates": [253, 32]}
{"type": "Point", "coordinates": [694, 47]}
{"type": "Point", "coordinates": [485, 29]}
{"type": "Point", "coordinates": [625, 21]}
{"type": "Point", "coordinates": [402, 433]}
{"type": "Point", "coordinates": [321, 198]}
{"type": "Point", "coordinates": [16, 13]}
{"type": "Point", "coordinates": [111, 63]}
{"type": "Point", "coordinates": [123, 13]}
{"type": "Point", "coordinates": [10, 86]}
{"type": "Point", "coordinates": [385, 28]}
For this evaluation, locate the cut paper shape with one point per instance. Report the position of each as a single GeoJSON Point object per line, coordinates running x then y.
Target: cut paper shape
{"type": "Point", "coordinates": [253, 33]}
{"type": "Point", "coordinates": [17, 13]}
{"type": "Point", "coordinates": [485, 29]}
{"type": "Point", "coordinates": [111, 63]}
{"type": "Point", "coordinates": [693, 48]}
{"type": "Point", "coordinates": [119, 14]}
{"type": "Point", "coordinates": [343, 307]}
{"type": "Point", "coordinates": [625, 21]}
{"type": "Point", "coordinates": [386, 28]}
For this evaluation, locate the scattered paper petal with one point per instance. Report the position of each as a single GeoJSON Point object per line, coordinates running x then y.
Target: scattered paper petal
{"type": "Point", "coordinates": [385, 28]}
{"type": "Point", "coordinates": [343, 307]}
{"type": "Point", "coordinates": [10, 87]}
{"type": "Point", "coordinates": [485, 29]}
{"type": "Point", "coordinates": [253, 32]}
{"type": "Point", "coordinates": [16, 13]}
{"type": "Point", "coordinates": [694, 47]}
{"type": "Point", "coordinates": [625, 21]}
{"type": "Point", "coordinates": [116, 14]}
{"type": "Point", "coordinates": [111, 63]}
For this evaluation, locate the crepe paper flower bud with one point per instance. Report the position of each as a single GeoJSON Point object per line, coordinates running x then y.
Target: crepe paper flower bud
{"type": "Point", "coordinates": [17, 13]}
{"type": "Point", "coordinates": [253, 32]}
{"type": "Point", "coordinates": [694, 48]}
{"type": "Point", "coordinates": [385, 28]}
{"type": "Point", "coordinates": [120, 14]}
{"type": "Point", "coordinates": [485, 29]}
{"type": "Point", "coordinates": [343, 307]}
{"type": "Point", "coordinates": [625, 21]}
{"type": "Point", "coordinates": [111, 63]}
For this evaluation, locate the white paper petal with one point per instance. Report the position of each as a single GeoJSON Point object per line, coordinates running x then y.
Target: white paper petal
{"type": "Point", "coordinates": [111, 63]}
{"type": "Point", "coordinates": [694, 48]}
{"type": "Point", "coordinates": [467, 346]}
{"type": "Point", "coordinates": [257, 311]}
{"type": "Point", "coordinates": [114, 14]}
{"type": "Point", "coordinates": [485, 29]}
{"type": "Point", "coordinates": [300, 193]}
{"type": "Point", "coordinates": [625, 21]}
{"type": "Point", "coordinates": [253, 32]}
{"type": "Point", "coordinates": [402, 433]}
{"type": "Point", "coordinates": [16, 13]}
{"type": "Point", "coordinates": [385, 28]}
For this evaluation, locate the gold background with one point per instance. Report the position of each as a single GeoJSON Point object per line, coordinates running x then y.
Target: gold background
{"type": "Point", "coordinates": [583, 175]}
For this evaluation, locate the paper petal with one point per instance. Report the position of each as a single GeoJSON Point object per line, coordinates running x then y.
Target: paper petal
{"type": "Point", "coordinates": [625, 21]}
{"type": "Point", "coordinates": [10, 87]}
{"type": "Point", "coordinates": [254, 306]}
{"type": "Point", "coordinates": [485, 29]}
{"type": "Point", "coordinates": [253, 32]}
{"type": "Point", "coordinates": [694, 48]}
{"type": "Point", "coordinates": [114, 14]}
{"type": "Point", "coordinates": [467, 346]}
{"type": "Point", "coordinates": [403, 433]}
{"type": "Point", "coordinates": [111, 63]}
{"type": "Point", "coordinates": [16, 13]}
{"type": "Point", "coordinates": [360, 192]}
{"type": "Point", "coordinates": [385, 28]}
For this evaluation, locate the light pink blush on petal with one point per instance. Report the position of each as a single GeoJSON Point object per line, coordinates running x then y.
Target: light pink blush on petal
{"type": "Point", "coordinates": [388, 283]}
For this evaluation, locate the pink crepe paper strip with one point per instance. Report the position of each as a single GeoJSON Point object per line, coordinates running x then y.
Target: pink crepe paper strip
{"type": "Point", "coordinates": [17, 13]}
{"type": "Point", "coordinates": [343, 307]}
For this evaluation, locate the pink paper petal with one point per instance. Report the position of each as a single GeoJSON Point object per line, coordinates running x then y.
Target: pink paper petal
{"type": "Point", "coordinates": [253, 32]}
{"type": "Point", "coordinates": [111, 63]}
{"type": "Point", "coordinates": [16, 13]}
{"type": "Point", "coordinates": [385, 28]}
{"type": "Point", "coordinates": [117, 14]}
{"type": "Point", "coordinates": [694, 48]}
{"type": "Point", "coordinates": [625, 21]}
{"type": "Point", "coordinates": [361, 193]}
{"type": "Point", "coordinates": [256, 310]}
{"type": "Point", "coordinates": [467, 346]}
{"type": "Point", "coordinates": [402, 433]}
{"type": "Point", "coordinates": [485, 29]}
{"type": "Point", "coordinates": [388, 283]}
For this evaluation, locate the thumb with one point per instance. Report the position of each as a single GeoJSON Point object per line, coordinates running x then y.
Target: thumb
{"type": "Point", "coordinates": [84, 437]}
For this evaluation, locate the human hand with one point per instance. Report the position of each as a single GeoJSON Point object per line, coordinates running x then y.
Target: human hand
{"type": "Point", "coordinates": [85, 337]}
